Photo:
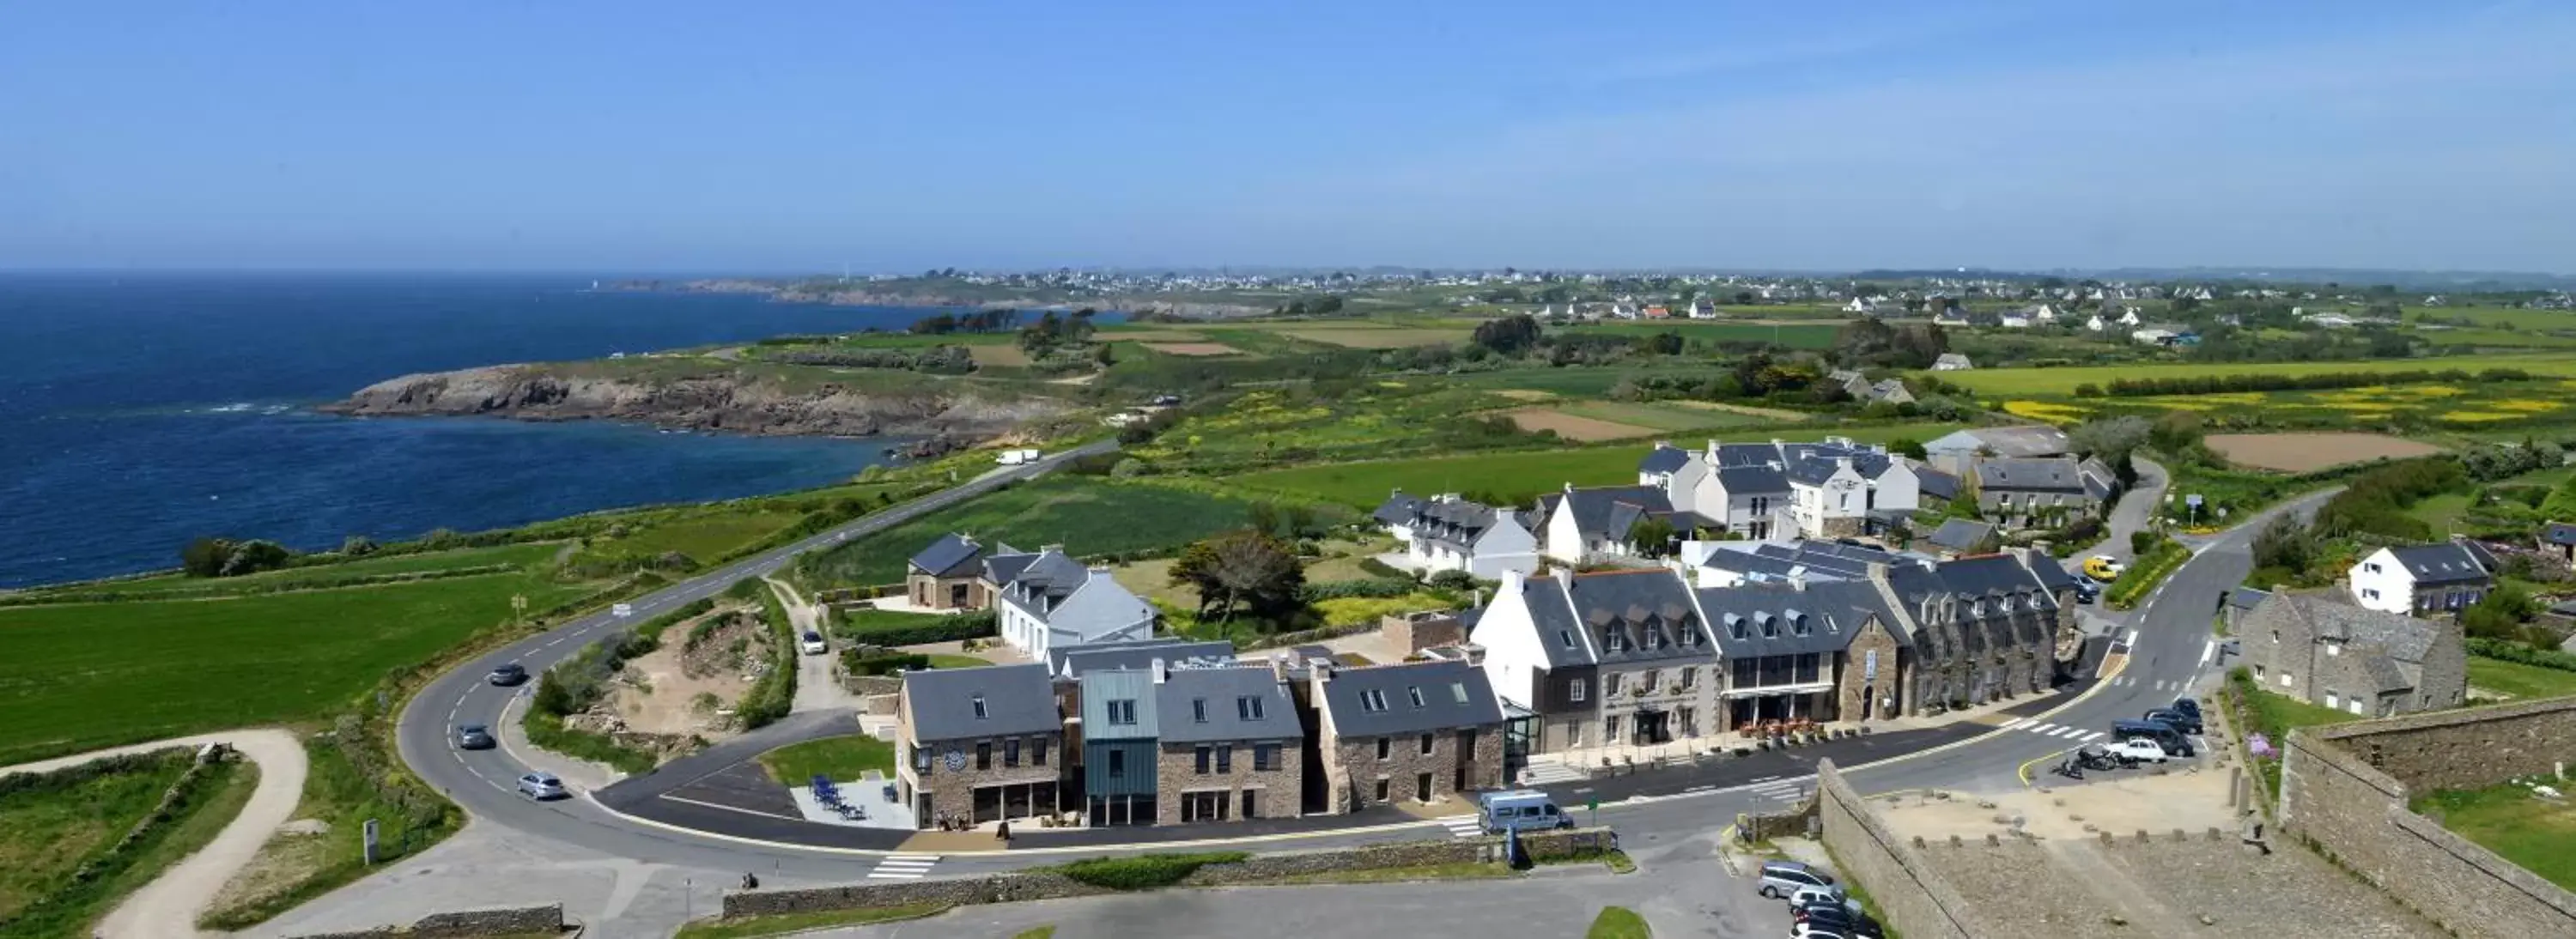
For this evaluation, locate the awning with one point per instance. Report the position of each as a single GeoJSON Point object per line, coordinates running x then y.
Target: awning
{"type": "Point", "coordinates": [1779, 690]}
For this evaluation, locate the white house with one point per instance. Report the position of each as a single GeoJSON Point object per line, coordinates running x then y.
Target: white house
{"type": "Point", "coordinates": [2043, 314]}
{"type": "Point", "coordinates": [1952, 362]}
{"type": "Point", "coordinates": [1580, 525]}
{"type": "Point", "coordinates": [1446, 533]}
{"type": "Point", "coordinates": [1056, 601]}
{"type": "Point", "coordinates": [2419, 579]}
{"type": "Point", "coordinates": [1777, 489]}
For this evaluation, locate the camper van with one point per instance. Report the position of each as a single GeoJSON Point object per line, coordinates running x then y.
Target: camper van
{"type": "Point", "coordinates": [1022, 457]}
{"type": "Point", "coordinates": [1520, 810]}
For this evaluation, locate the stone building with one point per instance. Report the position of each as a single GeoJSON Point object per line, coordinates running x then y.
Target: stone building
{"type": "Point", "coordinates": [2319, 649]}
{"type": "Point", "coordinates": [1799, 649]}
{"type": "Point", "coordinates": [1230, 745]}
{"type": "Point", "coordinates": [949, 575]}
{"type": "Point", "coordinates": [1979, 628]}
{"type": "Point", "coordinates": [982, 744]}
{"type": "Point", "coordinates": [1601, 659]}
{"type": "Point", "coordinates": [1425, 731]}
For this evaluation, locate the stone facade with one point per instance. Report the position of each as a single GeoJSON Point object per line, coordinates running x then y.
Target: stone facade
{"type": "Point", "coordinates": [1275, 792]}
{"type": "Point", "coordinates": [2346, 789]}
{"type": "Point", "coordinates": [1857, 686]}
{"type": "Point", "coordinates": [944, 593]}
{"type": "Point", "coordinates": [2287, 655]}
{"type": "Point", "coordinates": [508, 921]}
{"type": "Point", "coordinates": [1840, 526]}
{"type": "Point", "coordinates": [1414, 632]}
{"type": "Point", "coordinates": [1354, 771]}
{"type": "Point", "coordinates": [1908, 888]}
{"type": "Point", "coordinates": [925, 771]}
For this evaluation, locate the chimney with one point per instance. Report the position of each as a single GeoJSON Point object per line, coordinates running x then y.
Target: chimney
{"type": "Point", "coordinates": [1162, 673]}
{"type": "Point", "coordinates": [1318, 675]}
{"type": "Point", "coordinates": [1798, 579]}
{"type": "Point", "coordinates": [1511, 585]}
{"type": "Point", "coordinates": [1050, 549]}
{"type": "Point", "coordinates": [1569, 488]}
{"type": "Point", "coordinates": [1842, 462]}
{"type": "Point", "coordinates": [1282, 666]}
{"type": "Point", "coordinates": [1712, 450]}
{"type": "Point", "coordinates": [1878, 573]}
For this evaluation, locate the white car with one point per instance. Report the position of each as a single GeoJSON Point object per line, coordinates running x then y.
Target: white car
{"type": "Point", "coordinates": [622, 609]}
{"type": "Point", "coordinates": [813, 644]}
{"type": "Point", "coordinates": [2140, 749]}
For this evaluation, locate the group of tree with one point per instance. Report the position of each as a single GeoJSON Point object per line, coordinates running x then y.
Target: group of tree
{"type": "Point", "coordinates": [1311, 306]}
{"type": "Point", "coordinates": [2499, 461]}
{"type": "Point", "coordinates": [2114, 441]}
{"type": "Point", "coordinates": [1052, 332]}
{"type": "Point", "coordinates": [2274, 381]}
{"type": "Point", "coordinates": [225, 557]}
{"type": "Point", "coordinates": [1871, 343]}
{"type": "Point", "coordinates": [2375, 502]}
{"type": "Point", "coordinates": [937, 360]}
{"type": "Point", "coordinates": [1508, 335]}
{"type": "Point", "coordinates": [1246, 573]}
{"type": "Point", "coordinates": [973, 321]}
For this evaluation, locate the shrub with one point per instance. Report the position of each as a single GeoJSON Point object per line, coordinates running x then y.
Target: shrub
{"type": "Point", "coordinates": [1377, 568]}
{"type": "Point", "coordinates": [2140, 542]}
{"type": "Point", "coordinates": [1453, 580]}
{"type": "Point", "coordinates": [1342, 589]}
{"type": "Point", "coordinates": [2521, 654]}
{"type": "Point", "coordinates": [883, 663]}
{"type": "Point", "coordinates": [1145, 871]}
{"type": "Point", "coordinates": [957, 628]}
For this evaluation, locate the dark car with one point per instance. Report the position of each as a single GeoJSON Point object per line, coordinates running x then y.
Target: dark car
{"type": "Point", "coordinates": [2086, 592]}
{"type": "Point", "coordinates": [509, 674]}
{"type": "Point", "coordinates": [2189, 706]}
{"type": "Point", "coordinates": [2186, 722]}
{"type": "Point", "coordinates": [473, 737]}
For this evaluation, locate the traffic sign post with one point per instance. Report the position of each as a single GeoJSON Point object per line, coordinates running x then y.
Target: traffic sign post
{"type": "Point", "coordinates": [1593, 805]}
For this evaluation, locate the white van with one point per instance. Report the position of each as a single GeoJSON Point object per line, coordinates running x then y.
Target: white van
{"type": "Point", "coordinates": [1520, 810]}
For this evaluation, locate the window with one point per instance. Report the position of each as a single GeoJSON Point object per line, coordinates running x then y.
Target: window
{"type": "Point", "coordinates": [979, 707]}
{"type": "Point", "coordinates": [1426, 744]}
{"type": "Point", "coordinates": [1381, 790]}
{"type": "Point", "coordinates": [1203, 754]}
{"type": "Point", "coordinates": [1577, 728]}
{"type": "Point", "coordinates": [2334, 648]}
{"type": "Point", "coordinates": [1265, 756]}
{"type": "Point", "coordinates": [1689, 719]}
{"type": "Point", "coordinates": [1248, 707]}
{"type": "Point", "coordinates": [1385, 748]}
{"type": "Point", "coordinates": [1610, 683]}
{"type": "Point", "coordinates": [1011, 753]}
{"type": "Point", "coordinates": [1458, 690]}
{"type": "Point", "coordinates": [1225, 758]}
{"type": "Point", "coordinates": [1770, 626]}
{"type": "Point", "coordinates": [1037, 751]}
{"type": "Point", "coordinates": [1373, 700]}
{"type": "Point", "coordinates": [1122, 711]}
{"type": "Point", "coordinates": [1690, 634]}
{"type": "Point", "coordinates": [1198, 710]}
{"type": "Point", "coordinates": [2285, 679]}
{"type": "Point", "coordinates": [1574, 690]}
{"type": "Point", "coordinates": [1117, 762]}
{"type": "Point", "coordinates": [921, 761]}
{"type": "Point", "coordinates": [1565, 636]}
{"type": "Point", "coordinates": [1609, 730]}
{"type": "Point", "coordinates": [2372, 567]}
{"type": "Point", "coordinates": [1415, 692]}
{"type": "Point", "coordinates": [1646, 681]}
{"type": "Point", "coordinates": [1735, 626]}
{"type": "Point", "coordinates": [1614, 639]}
{"type": "Point", "coordinates": [984, 754]}
{"type": "Point", "coordinates": [2372, 594]}
{"type": "Point", "coordinates": [1690, 677]}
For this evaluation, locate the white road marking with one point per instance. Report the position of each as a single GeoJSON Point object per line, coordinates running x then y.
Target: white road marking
{"type": "Point", "coordinates": [2066, 732]}
{"type": "Point", "coordinates": [1463, 826]}
{"type": "Point", "coordinates": [904, 866]}
{"type": "Point", "coordinates": [2016, 723]}
{"type": "Point", "coordinates": [2206, 651]}
{"type": "Point", "coordinates": [2096, 735]}
{"type": "Point", "coordinates": [2132, 641]}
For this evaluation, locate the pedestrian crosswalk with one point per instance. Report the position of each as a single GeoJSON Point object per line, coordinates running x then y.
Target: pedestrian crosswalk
{"type": "Point", "coordinates": [2163, 684]}
{"type": "Point", "coordinates": [1549, 773]}
{"type": "Point", "coordinates": [903, 866]}
{"type": "Point", "coordinates": [2059, 731]}
{"type": "Point", "coordinates": [1463, 826]}
{"type": "Point", "coordinates": [1782, 790]}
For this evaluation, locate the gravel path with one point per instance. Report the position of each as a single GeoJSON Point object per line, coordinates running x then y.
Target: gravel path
{"type": "Point", "coordinates": [168, 906]}
{"type": "Point", "coordinates": [818, 688]}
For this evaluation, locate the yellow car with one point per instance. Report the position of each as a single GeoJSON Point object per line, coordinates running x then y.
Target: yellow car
{"type": "Point", "coordinates": [2100, 567]}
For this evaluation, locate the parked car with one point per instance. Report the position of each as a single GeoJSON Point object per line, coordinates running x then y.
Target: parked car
{"type": "Point", "coordinates": [2102, 568]}
{"type": "Point", "coordinates": [2190, 706]}
{"type": "Point", "coordinates": [1783, 878]}
{"type": "Point", "coordinates": [2087, 591]}
{"type": "Point", "coordinates": [542, 786]}
{"type": "Point", "coordinates": [2187, 723]}
{"type": "Point", "coordinates": [1810, 897]}
{"type": "Point", "coordinates": [813, 643]}
{"type": "Point", "coordinates": [2136, 750]}
{"type": "Point", "coordinates": [2175, 742]}
{"type": "Point", "coordinates": [622, 610]}
{"type": "Point", "coordinates": [473, 737]}
{"type": "Point", "coordinates": [1520, 810]}
{"type": "Point", "coordinates": [509, 674]}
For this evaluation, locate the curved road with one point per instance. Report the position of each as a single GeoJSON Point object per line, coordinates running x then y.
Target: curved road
{"type": "Point", "coordinates": [2167, 643]}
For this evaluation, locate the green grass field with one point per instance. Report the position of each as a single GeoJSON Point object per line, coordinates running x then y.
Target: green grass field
{"type": "Point", "coordinates": [56, 828]}
{"type": "Point", "coordinates": [83, 676]}
{"type": "Point", "coordinates": [704, 538]}
{"type": "Point", "coordinates": [1657, 415]}
{"type": "Point", "coordinates": [1088, 517]}
{"type": "Point", "coordinates": [2062, 381]}
{"type": "Point", "coordinates": [2518, 318]}
{"type": "Point", "coordinates": [2538, 835]}
{"type": "Point", "coordinates": [2519, 680]}
{"type": "Point", "coordinates": [515, 555]}
{"type": "Point", "coordinates": [840, 759]}
{"type": "Point", "coordinates": [1793, 335]}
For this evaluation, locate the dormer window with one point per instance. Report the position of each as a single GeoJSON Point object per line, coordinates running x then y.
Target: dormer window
{"type": "Point", "coordinates": [1770, 626]}
{"type": "Point", "coordinates": [1798, 624]}
{"type": "Point", "coordinates": [979, 708]}
{"type": "Point", "coordinates": [1735, 626]}
{"type": "Point", "coordinates": [1690, 634]}
{"type": "Point", "coordinates": [1415, 692]}
{"type": "Point", "coordinates": [1614, 639]}
{"type": "Point", "coordinates": [1565, 636]}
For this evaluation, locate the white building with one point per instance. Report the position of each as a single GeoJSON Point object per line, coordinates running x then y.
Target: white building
{"type": "Point", "coordinates": [1056, 601]}
{"type": "Point", "coordinates": [2420, 579]}
{"type": "Point", "coordinates": [1447, 533]}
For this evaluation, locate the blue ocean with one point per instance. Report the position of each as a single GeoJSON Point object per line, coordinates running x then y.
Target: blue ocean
{"type": "Point", "coordinates": [139, 411]}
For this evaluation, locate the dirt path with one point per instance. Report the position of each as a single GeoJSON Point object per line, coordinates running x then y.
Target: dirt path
{"type": "Point", "coordinates": [169, 905]}
{"type": "Point", "coordinates": [818, 686]}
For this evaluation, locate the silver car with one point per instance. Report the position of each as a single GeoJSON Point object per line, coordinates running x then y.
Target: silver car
{"type": "Point", "coordinates": [542, 786]}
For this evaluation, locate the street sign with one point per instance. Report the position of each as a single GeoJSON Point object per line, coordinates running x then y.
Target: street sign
{"type": "Point", "coordinates": [370, 838]}
{"type": "Point", "coordinates": [2192, 500]}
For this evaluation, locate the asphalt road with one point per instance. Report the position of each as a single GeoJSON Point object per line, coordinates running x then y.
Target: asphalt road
{"type": "Point", "coordinates": [484, 781]}
{"type": "Point", "coordinates": [2168, 641]}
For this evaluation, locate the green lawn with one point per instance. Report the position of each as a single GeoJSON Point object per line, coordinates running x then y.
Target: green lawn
{"type": "Point", "coordinates": [938, 660]}
{"type": "Point", "coordinates": [2062, 381]}
{"type": "Point", "coordinates": [60, 824]}
{"type": "Point", "coordinates": [841, 759]}
{"type": "Point", "coordinates": [2519, 680]}
{"type": "Point", "coordinates": [2516, 317]}
{"type": "Point", "coordinates": [704, 538]}
{"type": "Point", "coordinates": [785, 923]}
{"type": "Point", "coordinates": [88, 675]}
{"type": "Point", "coordinates": [513, 555]}
{"type": "Point", "coordinates": [2538, 836]}
{"type": "Point", "coordinates": [1086, 516]}
{"type": "Point", "coordinates": [858, 623]}
{"type": "Point", "coordinates": [1659, 415]}
{"type": "Point", "coordinates": [1619, 922]}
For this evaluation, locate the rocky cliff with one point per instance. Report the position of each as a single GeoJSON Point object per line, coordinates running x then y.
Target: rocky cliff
{"type": "Point", "coordinates": [716, 400]}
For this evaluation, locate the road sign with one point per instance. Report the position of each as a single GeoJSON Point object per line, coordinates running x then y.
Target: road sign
{"type": "Point", "coordinates": [2192, 500]}
{"type": "Point", "coordinates": [370, 840]}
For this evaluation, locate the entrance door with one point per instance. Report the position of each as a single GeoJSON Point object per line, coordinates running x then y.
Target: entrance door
{"type": "Point", "coordinates": [1422, 787]}
{"type": "Point", "coordinates": [1251, 804]}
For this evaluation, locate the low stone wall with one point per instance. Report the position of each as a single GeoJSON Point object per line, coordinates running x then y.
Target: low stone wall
{"type": "Point", "coordinates": [1760, 826]}
{"type": "Point", "coordinates": [1908, 888]}
{"type": "Point", "coordinates": [2345, 790]}
{"type": "Point", "coordinates": [1048, 885]}
{"type": "Point", "coordinates": [504, 921]}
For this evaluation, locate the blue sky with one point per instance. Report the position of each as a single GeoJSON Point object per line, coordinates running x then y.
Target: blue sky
{"type": "Point", "coordinates": [780, 136]}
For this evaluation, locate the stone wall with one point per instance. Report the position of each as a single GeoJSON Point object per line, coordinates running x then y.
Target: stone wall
{"type": "Point", "coordinates": [1279, 791]}
{"type": "Point", "coordinates": [2345, 791]}
{"type": "Point", "coordinates": [1414, 632]}
{"type": "Point", "coordinates": [507, 921]}
{"type": "Point", "coordinates": [1354, 768]}
{"type": "Point", "coordinates": [1909, 890]}
{"type": "Point", "coordinates": [1049, 885]}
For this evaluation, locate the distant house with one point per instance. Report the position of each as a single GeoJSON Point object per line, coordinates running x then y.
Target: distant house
{"type": "Point", "coordinates": [1583, 525]}
{"type": "Point", "coordinates": [948, 575]}
{"type": "Point", "coordinates": [1952, 362]}
{"type": "Point", "coordinates": [2423, 578]}
{"type": "Point", "coordinates": [2369, 662]}
{"type": "Point", "coordinates": [1955, 451]}
{"type": "Point", "coordinates": [1447, 533]}
{"type": "Point", "coordinates": [2014, 321]}
{"type": "Point", "coordinates": [2096, 323]}
{"type": "Point", "coordinates": [1229, 745]}
{"type": "Point", "coordinates": [2022, 492]}
{"type": "Point", "coordinates": [2559, 539]}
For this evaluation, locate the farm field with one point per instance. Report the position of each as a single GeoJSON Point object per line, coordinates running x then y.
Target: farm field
{"type": "Point", "coordinates": [2469, 407]}
{"type": "Point", "coordinates": [999, 355]}
{"type": "Point", "coordinates": [1377, 337]}
{"type": "Point", "coordinates": [1088, 517]}
{"type": "Point", "coordinates": [1193, 348]}
{"type": "Point", "coordinates": [703, 539]}
{"type": "Point", "coordinates": [1574, 427]}
{"type": "Point", "coordinates": [1807, 335]}
{"type": "Point", "coordinates": [2061, 382]}
{"type": "Point", "coordinates": [514, 555]}
{"type": "Point", "coordinates": [2301, 453]}
{"type": "Point", "coordinates": [81, 676]}
{"type": "Point", "coordinates": [2496, 338]}
{"type": "Point", "coordinates": [1775, 414]}
{"type": "Point", "coordinates": [2497, 316]}
{"type": "Point", "coordinates": [1668, 415]}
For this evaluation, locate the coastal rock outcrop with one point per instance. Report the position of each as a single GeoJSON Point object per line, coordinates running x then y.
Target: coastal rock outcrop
{"type": "Point", "coordinates": [712, 400]}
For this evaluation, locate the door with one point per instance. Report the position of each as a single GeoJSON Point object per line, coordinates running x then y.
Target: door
{"type": "Point", "coordinates": [1251, 804]}
{"type": "Point", "coordinates": [1422, 787]}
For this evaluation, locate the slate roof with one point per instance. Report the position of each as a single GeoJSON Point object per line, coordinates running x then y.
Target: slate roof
{"type": "Point", "coordinates": [1398, 508]}
{"type": "Point", "coordinates": [2052, 474]}
{"type": "Point", "coordinates": [2024, 441]}
{"type": "Point", "coordinates": [1742, 480]}
{"type": "Point", "coordinates": [953, 555]}
{"type": "Point", "coordinates": [2247, 598]}
{"type": "Point", "coordinates": [2446, 563]}
{"type": "Point", "coordinates": [1664, 459]}
{"type": "Point", "coordinates": [1632, 601]}
{"type": "Point", "coordinates": [1609, 511]}
{"type": "Point", "coordinates": [1986, 575]}
{"type": "Point", "coordinates": [1834, 612]}
{"type": "Point", "coordinates": [1960, 534]}
{"type": "Point", "coordinates": [1454, 523]}
{"type": "Point", "coordinates": [2559, 533]}
{"type": "Point", "coordinates": [2385, 673]}
{"type": "Point", "coordinates": [1560, 637]}
{"type": "Point", "coordinates": [1454, 694]}
{"type": "Point", "coordinates": [1079, 659]}
{"type": "Point", "coordinates": [1220, 688]}
{"type": "Point", "coordinates": [2404, 637]}
{"type": "Point", "coordinates": [1007, 565]}
{"type": "Point", "coordinates": [1018, 699]}
{"type": "Point", "coordinates": [1125, 684]}
{"type": "Point", "coordinates": [1936, 483]}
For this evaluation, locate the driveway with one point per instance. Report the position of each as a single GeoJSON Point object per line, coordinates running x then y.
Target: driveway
{"type": "Point", "coordinates": [818, 680]}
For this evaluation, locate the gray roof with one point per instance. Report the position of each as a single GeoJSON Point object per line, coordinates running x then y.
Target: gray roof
{"type": "Point", "coordinates": [1985, 575]}
{"type": "Point", "coordinates": [2404, 637]}
{"type": "Point", "coordinates": [1560, 637]}
{"type": "Point", "coordinates": [1398, 508]}
{"type": "Point", "coordinates": [1664, 459]}
{"type": "Point", "coordinates": [1018, 699]}
{"type": "Point", "coordinates": [1609, 511]}
{"type": "Point", "coordinates": [1076, 660]}
{"type": "Point", "coordinates": [2247, 598]}
{"type": "Point", "coordinates": [2386, 673]}
{"type": "Point", "coordinates": [1457, 523]}
{"type": "Point", "coordinates": [2051, 474]}
{"type": "Point", "coordinates": [1936, 483]}
{"type": "Point", "coordinates": [1741, 480]}
{"type": "Point", "coordinates": [953, 555]}
{"type": "Point", "coordinates": [1650, 609]}
{"type": "Point", "coordinates": [2558, 533]}
{"type": "Point", "coordinates": [1102, 686]}
{"type": "Point", "coordinates": [1222, 689]}
{"type": "Point", "coordinates": [2449, 562]}
{"type": "Point", "coordinates": [1454, 694]}
{"type": "Point", "coordinates": [1961, 534]}
{"type": "Point", "coordinates": [1754, 620]}
{"type": "Point", "coordinates": [2024, 441]}
{"type": "Point", "coordinates": [1005, 564]}
{"type": "Point", "coordinates": [1045, 581]}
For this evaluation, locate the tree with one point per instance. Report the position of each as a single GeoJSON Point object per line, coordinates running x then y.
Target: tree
{"type": "Point", "coordinates": [1509, 335]}
{"type": "Point", "coordinates": [2285, 544]}
{"type": "Point", "coordinates": [2177, 433]}
{"type": "Point", "coordinates": [2500, 614]}
{"type": "Point", "coordinates": [1908, 447]}
{"type": "Point", "coordinates": [1652, 537]}
{"type": "Point", "coordinates": [357, 546]}
{"type": "Point", "coordinates": [1263, 517]}
{"type": "Point", "coordinates": [204, 557]}
{"type": "Point", "coordinates": [1244, 570]}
